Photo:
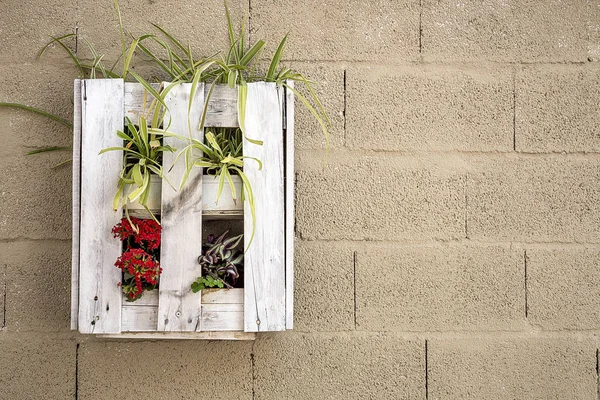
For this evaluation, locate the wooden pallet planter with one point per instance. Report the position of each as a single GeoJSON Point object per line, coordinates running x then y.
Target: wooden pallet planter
{"type": "Point", "coordinates": [173, 311]}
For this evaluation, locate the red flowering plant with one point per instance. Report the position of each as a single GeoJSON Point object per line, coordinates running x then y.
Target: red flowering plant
{"type": "Point", "coordinates": [139, 261]}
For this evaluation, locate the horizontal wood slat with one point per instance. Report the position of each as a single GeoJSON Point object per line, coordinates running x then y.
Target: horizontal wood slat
{"type": "Point", "coordinates": [222, 106]}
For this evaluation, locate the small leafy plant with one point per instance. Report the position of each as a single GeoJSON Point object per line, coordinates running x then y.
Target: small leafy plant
{"type": "Point", "coordinates": [220, 262]}
{"type": "Point", "coordinates": [142, 157]}
{"type": "Point", "coordinates": [139, 262]}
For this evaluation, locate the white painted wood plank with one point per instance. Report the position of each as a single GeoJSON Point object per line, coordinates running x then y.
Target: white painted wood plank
{"type": "Point", "coordinates": [223, 296]}
{"type": "Point", "coordinates": [99, 296]}
{"type": "Point", "coordinates": [76, 202]}
{"type": "Point", "coordinates": [185, 335]}
{"type": "Point", "coordinates": [224, 307]}
{"type": "Point", "coordinates": [139, 318]}
{"type": "Point", "coordinates": [138, 101]}
{"type": "Point", "coordinates": [221, 321]}
{"type": "Point", "coordinates": [264, 261]}
{"type": "Point", "coordinates": [181, 219]}
{"type": "Point", "coordinates": [289, 207]}
{"type": "Point", "coordinates": [222, 106]}
{"type": "Point", "coordinates": [210, 188]}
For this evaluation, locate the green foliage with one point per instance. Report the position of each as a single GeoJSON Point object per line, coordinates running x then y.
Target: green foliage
{"type": "Point", "coordinates": [202, 283]}
{"type": "Point", "coordinates": [220, 262]}
{"type": "Point", "coordinates": [142, 157]}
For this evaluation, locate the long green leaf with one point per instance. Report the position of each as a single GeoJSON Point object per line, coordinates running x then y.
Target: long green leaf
{"type": "Point", "coordinates": [65, 48]}
{"type": "Point", "coordinates": [276, 59]}
{"type": "Point", "coordinates": [38, 111]}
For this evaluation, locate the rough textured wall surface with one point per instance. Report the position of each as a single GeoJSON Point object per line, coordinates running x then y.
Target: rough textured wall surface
{"type": "Point", "coordinates": [449, 249]}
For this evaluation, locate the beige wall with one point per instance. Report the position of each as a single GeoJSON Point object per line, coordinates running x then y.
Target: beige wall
{"type": "Point", "coordinates": [448, 250]}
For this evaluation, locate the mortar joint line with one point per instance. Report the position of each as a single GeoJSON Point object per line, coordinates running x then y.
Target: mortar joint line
{"type": "Point", "coordinates": [526, 287]}
{"type": "Point", "coordinates": [354, 272]}
{"type": "Point", "coordinates": [252, 370]}
{"type": "Point", "coordinates": [597, 377]}
{"type": "Point", "coordinates": [77, 372]}
{"type": "Point", "coordinates": [426, 370]}
{"type": "Point", "coordinates": [421, 27]}
{"type": "Point", "coordinates": [345, 105]}
{"type": "Point", "coordinates": [76, 37]}
{"type": "Point", "coordinates": [249, 20]}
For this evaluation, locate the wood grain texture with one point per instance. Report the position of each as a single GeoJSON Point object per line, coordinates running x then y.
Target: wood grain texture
{"type": "Point", "coordinates": [181, 219]}
{"type": "Point", "coordinates": [289, 206]}
{"type": "Point", "coordinates": [222, 106]}
{"type": "Point", "coordinates": [221, 310]}
{"type": "Point", "coordinates": [99, 296]}
{"type": "Point", "coordinates": [226, 335]}
{"type": "Point", "coordinates": [76, 202]}
{"type": "Point", "coordinates": [264, 261]}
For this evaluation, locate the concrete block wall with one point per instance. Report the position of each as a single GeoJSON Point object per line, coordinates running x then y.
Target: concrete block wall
{"type": "Point", "coordinates": [449, 248]}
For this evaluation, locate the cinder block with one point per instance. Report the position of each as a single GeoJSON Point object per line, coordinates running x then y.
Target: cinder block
{"type": "Point", "coordinates": [383, 30]}
{"type": "Point", "coordinates": [26, 26]}
{"type": "Point", "coordinates": [534, 199]}
{"type": "Point", "coordinates": [383, 197]}
{"type": "Point", "coordinates": [44, 85]}
{"type": "Point", "coordinates": [324, 288]}
{"type": "Point", "coordinates": [201, 23]}
{"type": "Point", "coordinates": [430, 108]}
{"type": "Point", "coordinates": [593, 30]}
{"type": "Point", "coordinates": [37, 368]}
{"type": "Point", "coordinates": [515, 368]}
{"type": "Point", "coordinates": [523, 31]}
{"type": "Point", "coordinates": [564, 288]}
{"type": "Point", "coordinates": [557, 109]}
{"type": "Point", "coordinates": [339, 366]}
{"type": "Point", "coordinates": [440, 288]}
{"type": "Point", "coordinates": [329, 87]}
{"type": "Point", "coordinates": [38, 289]}
{"type": "Point", "coordinates": [183, 369]}
{"type": "Point", "coordinates": [35, 199]}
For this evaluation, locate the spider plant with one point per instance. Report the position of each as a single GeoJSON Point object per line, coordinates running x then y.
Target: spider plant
{"type": "Point", "coordinates": [221, 157]}
{"type": "Point", "coordinates": [142, 157]}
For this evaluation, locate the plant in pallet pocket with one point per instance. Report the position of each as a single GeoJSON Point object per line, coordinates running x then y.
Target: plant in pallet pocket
{"type": "Point", "coordinates": [142, 157]}
{"type": "Point", "coordinates": [221, 157]}
{"type": "Point", "coordinates": [220, 262]}
{"type": "Point", "coordinates": [139, 262]}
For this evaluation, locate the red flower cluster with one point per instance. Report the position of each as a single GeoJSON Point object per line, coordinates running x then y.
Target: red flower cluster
{"type": "Point", "coordinates": [139, 268]}
{"type": "Point", "coordinates": [139, 262]}
{"type": "Point", "coordinates": [144, 232]}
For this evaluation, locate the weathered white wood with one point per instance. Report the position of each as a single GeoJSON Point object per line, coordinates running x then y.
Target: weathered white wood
{"type": "Point", "coordinates": [153, 200]}
{"type": "Point", "coordinates": [222, 106]}
{"type": "Point", "coordinates": [187, 335]}
{"type": "Point", "coordinates": [210, 187]}
{"type": "Point", "coordinates": [223, 311]}
{"type": "Point", "coordinates": [223, 296]}
{"type": "Point", "coordinates": [76, 201]}
{"type": "Point", "coordinates": [209, 197]}
{"type": "Point", "coordinates": [138, 102]}
{"type": "Point", "coordinates": [139, 318]}
{"type": "Point", "coordinates": [181, 219]}
{"type": "Point", "coordinates": [264, 260]}
{"type": "Point", "coordinates": [289, 206]}
{"type": "Point", "coordinates": [99, 296]}
{"type": "Point", "coordinates": [221, 320]}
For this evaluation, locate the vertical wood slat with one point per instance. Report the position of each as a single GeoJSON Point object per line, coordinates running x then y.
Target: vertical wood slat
{"type": "Point", "coordinates": [76, 201]}
{"type": "Point", "coordinates": [181, 218]}
{"type": "Point", "coordinates": [289, 207]}
{"type": "Point", "coordinates": [264, 260]}
{"type": "Point", "coordinates": [99, 296]}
